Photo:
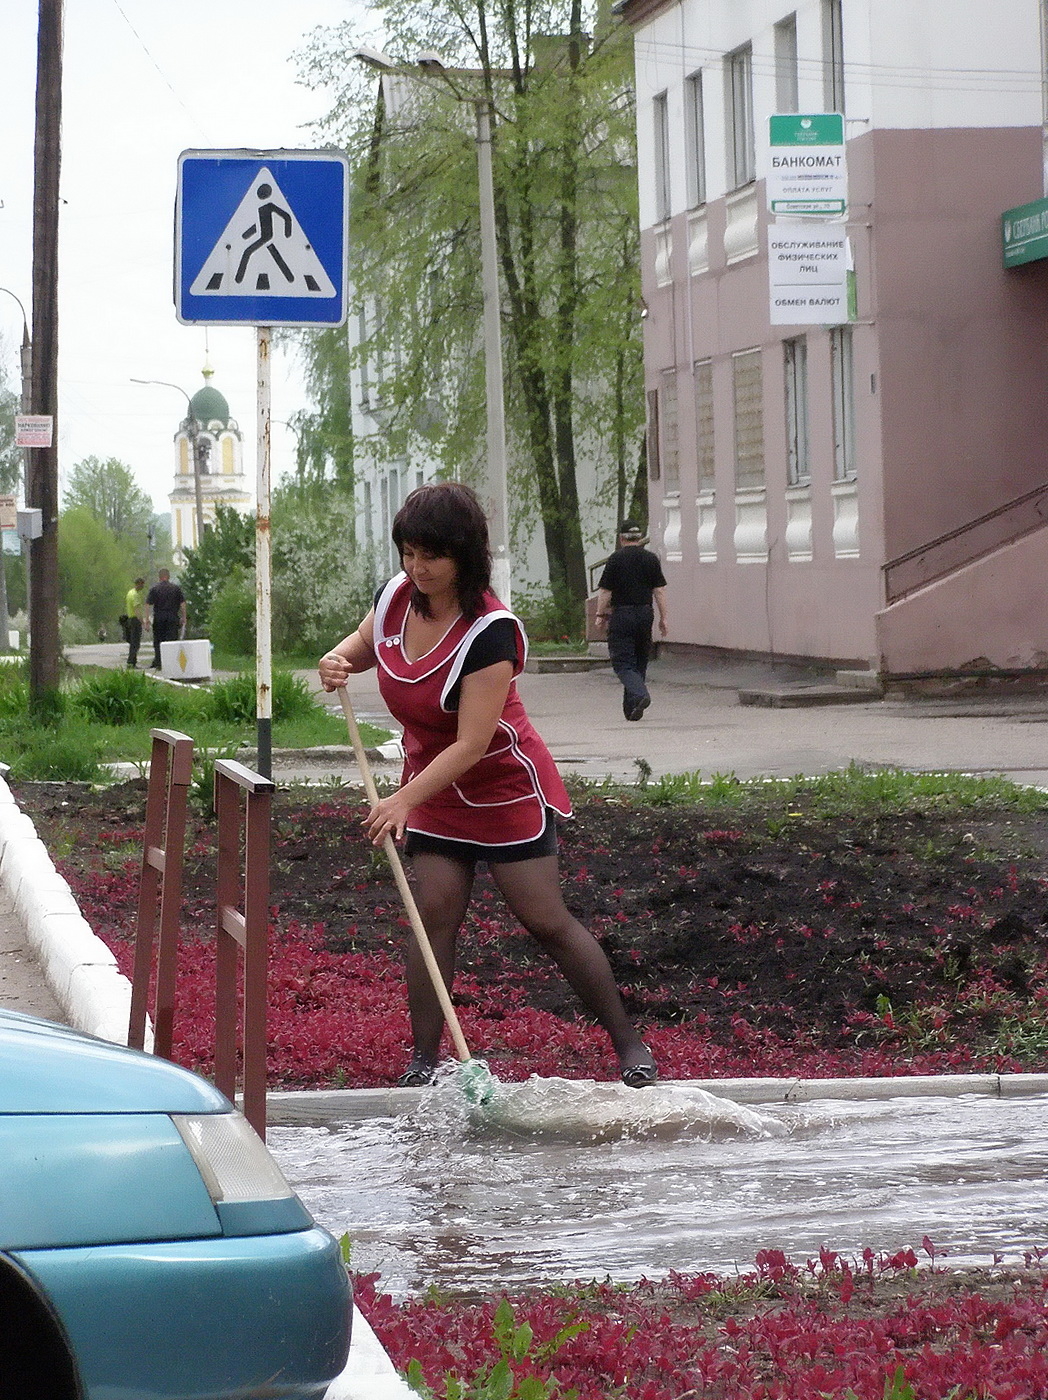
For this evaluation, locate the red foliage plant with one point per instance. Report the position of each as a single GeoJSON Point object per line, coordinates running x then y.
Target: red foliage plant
{"type": "Point", "coordinates": [835, 1328]}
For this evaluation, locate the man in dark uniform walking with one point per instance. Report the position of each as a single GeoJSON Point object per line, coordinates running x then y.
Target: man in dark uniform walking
{"type": "Point", "coordinates": [166, 606]}
{"type": "Point", "coordinates": [631, 587]}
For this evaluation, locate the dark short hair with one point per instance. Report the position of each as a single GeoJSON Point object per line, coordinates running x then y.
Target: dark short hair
{"type": "Point", "coordinates": [445, 518]}
{"type": "Point", "coordinates": [139, 582]}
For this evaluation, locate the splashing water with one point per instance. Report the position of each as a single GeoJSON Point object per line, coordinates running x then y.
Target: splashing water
{"type": "Point", "coordinates": [585, 1111]}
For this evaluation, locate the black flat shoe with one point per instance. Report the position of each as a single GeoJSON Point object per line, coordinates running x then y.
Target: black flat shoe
{"type": "Point", "coordinates": [640, 1076]}
{"type": "Point", "coordinates": [418, 1075]}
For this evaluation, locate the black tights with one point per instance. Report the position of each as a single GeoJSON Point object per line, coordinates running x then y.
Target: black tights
{"type": "Point", "coordinates": [531, 888]}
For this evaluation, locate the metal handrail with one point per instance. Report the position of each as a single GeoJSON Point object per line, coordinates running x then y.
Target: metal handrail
{"type": "Point", "coordinates": [899, 580]}
{"type": "Point", "coordinates": [243, 807]}
{"type": "Point", "coordinates": [160, 889]}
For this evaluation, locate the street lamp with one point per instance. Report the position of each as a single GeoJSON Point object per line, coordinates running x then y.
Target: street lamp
{"type": "Point", "coordinates": [430, 65]}
{"type": "Point", "coordinates": [195, 446]}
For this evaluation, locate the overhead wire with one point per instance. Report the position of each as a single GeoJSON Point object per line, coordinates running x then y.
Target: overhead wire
{"type": "Point", "coordinates": [872, 74]}
{"type": "Point", "coordinates": [167, 81]}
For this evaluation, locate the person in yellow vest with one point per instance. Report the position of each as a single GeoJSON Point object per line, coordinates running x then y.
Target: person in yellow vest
{"type": "Point", "coordinates": [134, 609]}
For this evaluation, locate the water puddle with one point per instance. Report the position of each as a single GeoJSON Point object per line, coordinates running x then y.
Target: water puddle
{"type": "Point", "coordinates": [598, 1180]}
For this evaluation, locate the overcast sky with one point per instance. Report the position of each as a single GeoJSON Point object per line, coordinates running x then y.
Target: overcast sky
{"type": "Point", "coordinates": [145, 80]}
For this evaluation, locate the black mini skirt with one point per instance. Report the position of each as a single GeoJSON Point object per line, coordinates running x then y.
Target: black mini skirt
{"type": "Point", "coordinates": [544, 844]}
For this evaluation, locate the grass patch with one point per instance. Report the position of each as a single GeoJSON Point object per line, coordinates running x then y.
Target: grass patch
{"type": "Point", "coordinates": [108, 716]}
{"type": "Point", "coordinates": [852, 792]}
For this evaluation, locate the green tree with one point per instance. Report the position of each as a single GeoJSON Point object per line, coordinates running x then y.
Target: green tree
{"type": "Point", "coordinates": [322, 587]}
{"type": "Point", "coordinates": [227, 547]}
{"type": "Point", "coordinates": [11, 459]}
{"type": "Point", "coordinates": [566, 220]}
{"type": "Point", "coordinates": [325, 435]}
{"type": "Point", "coordinates": [109, 491]}
{"type": "Point", "coordinates": [92, 568]}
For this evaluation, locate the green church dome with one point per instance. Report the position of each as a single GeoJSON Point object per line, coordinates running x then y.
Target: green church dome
{"type": "Point", "coordinates": [207, 405]}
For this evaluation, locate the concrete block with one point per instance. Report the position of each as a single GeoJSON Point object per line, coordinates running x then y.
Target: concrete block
{"type": "Point", "coordinates": [33, 905]}
{"type": "Point", "coordinates": [369, 1374]}
{"type": "Point", "coordinates": [66, 942]}
{"type": "Point", "coordinates": [1012, 1086]}
{"type": "Point", "coordinates": [14, 826]}
{"type": "Point", "coordinates": [33, 883]}
{"type": "Point", "coordinates": [98, 1001]}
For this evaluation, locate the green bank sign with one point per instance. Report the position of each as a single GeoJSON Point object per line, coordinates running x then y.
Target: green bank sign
{"type": "Point", "coordinates": [1024, 233]}
{"type": "Point", "coordinates": [818, 129]}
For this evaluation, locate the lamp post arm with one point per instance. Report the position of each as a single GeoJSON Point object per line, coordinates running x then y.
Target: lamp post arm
{"type": "Point", "coordinates": [192, 429]}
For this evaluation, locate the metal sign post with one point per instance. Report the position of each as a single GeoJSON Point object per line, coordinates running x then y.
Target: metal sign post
{"type": "Point", "coordinates": [263, 584]}
{"type": "Point", "coordinates": [261, 239]}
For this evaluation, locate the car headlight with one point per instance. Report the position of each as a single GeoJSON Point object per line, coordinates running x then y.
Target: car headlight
{"type": "Point", "coordinates": [231, 1157]}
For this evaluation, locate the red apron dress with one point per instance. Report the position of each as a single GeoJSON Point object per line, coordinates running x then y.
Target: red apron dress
{"type": "Point", "coordinates": [502, 799]}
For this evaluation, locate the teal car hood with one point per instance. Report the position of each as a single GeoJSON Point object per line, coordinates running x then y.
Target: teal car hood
{"type": "Point", "coordinates": [47, 1068]}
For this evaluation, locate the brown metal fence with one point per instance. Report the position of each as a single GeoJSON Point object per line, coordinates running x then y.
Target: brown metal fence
{"type": "Point", "coordinates": [160, 891]}
{"type": "Point", "coordinates": [243, 806]}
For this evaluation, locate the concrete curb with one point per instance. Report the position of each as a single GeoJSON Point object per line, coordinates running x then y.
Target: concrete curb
{"type": "Point", "coordinates": [302, 1107]}
{"type": "Point", "coordinates": [79, 969]}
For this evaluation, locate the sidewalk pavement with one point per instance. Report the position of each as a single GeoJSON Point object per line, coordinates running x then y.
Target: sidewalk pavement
{"type": "Point", "coordinates": [695, 723]}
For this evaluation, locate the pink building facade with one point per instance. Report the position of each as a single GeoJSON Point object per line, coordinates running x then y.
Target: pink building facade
{"type": "Point", "coordinates": [867, 493]}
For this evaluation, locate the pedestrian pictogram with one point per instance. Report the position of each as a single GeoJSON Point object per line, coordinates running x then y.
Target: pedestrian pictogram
{"type": "Point", "coordinates": [261, 238]}
{"type": "Point", "coordinates": [263, 248]}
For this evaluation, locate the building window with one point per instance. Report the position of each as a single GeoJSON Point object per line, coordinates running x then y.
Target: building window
{"type": "Point", "coordinates": [662, 157]}
{"type": "Point", "coordinates": [704, 424]}
{"type": "Point", "coordinates": [742, 153]}
{"type": "Point", "coordinates": [695, 139]}
{"type": "Point", "coordinates": [747, 384]}
{"type": "Point", "coordinates": [843, 404]}
{"type": "Point", "coordinates": [669, 438]}
{"type": "Point", "coordinates": [787, 97]}
{"type": "Point", "coordinates": [832, 55]}
{"type": "Point", "coordinates": [654, 462]}
{"type": "Point", "coordinates": [798, 468]}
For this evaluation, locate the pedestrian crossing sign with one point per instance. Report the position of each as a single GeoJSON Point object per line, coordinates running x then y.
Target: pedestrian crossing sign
{"type": "Point", "coordinates": [261, 238]}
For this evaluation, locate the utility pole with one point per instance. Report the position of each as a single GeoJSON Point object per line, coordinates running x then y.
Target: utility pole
{"type": "Point", "coordinates": [42, 486]}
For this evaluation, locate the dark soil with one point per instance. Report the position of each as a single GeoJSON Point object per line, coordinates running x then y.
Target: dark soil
{"type": "Point", "coordinates": [902, 932]}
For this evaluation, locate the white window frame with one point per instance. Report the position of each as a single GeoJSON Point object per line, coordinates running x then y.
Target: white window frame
{"type": "Point", "coordinates": [833, 55]}
{"type": "Point", "coordinates": [748, 421]}
{"type": "Point", "coordinates": [842, 381]}
{"type": "Point", "coordinates": [742, 149]}
{"type": "Point", "coordinates": [695, 139]}
{"type": "Point", "coordinates": [705, 461]}
{"type": "Point", "coordinates": [787, 80]}
{"type": "Point", "coordinates": [669, 432]}
{"type": "Point", "coordinates": [795, 367]}
{"type": "Point", "coordinates": [661, 154]}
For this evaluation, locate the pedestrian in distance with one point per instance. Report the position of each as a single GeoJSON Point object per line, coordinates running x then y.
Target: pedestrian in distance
{"type": "Point", "coordinates": [478, 783]}
{"type": "Point", "coordinates": [631, 587]}
{"type": "Point", "coordinates": [134, 617]}
{"type": "Point", "coordinates": [165, 613]}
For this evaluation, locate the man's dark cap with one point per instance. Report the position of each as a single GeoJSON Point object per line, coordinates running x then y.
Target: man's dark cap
{"type": "Point", "coordinates": [630, 530]}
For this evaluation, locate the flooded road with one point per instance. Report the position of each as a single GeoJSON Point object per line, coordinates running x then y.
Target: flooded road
{"type": "Point", "coordinates": [435, 1200]}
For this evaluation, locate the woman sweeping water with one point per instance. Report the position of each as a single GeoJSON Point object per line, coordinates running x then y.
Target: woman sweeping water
{"type": "Point", "coordinates": [478, 782]}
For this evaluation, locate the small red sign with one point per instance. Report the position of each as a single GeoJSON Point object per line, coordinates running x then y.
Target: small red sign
{"type": "Point", "coordinates": [33, 429]}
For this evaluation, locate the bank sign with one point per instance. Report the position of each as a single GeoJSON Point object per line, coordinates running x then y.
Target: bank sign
{"type": "Point", "coordinates": [807, 168]}
{"type": "Point", "coordinates": [807, 274]}
{"type": "Point", "coordinates": [1024, 233]}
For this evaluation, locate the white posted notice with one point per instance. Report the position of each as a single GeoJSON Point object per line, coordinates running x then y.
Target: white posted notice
{"type": "Point", "coordinates": [808, 274]}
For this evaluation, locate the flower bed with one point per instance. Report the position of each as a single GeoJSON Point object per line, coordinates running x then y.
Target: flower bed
{"type": "Point", "coordinates": [876, 1328]}
{"type": "Point", "coordinates": [873, 946]}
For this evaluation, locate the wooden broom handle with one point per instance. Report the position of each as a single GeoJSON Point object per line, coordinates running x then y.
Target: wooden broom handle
{"type": "Point", "coordinates": [393, 855]}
